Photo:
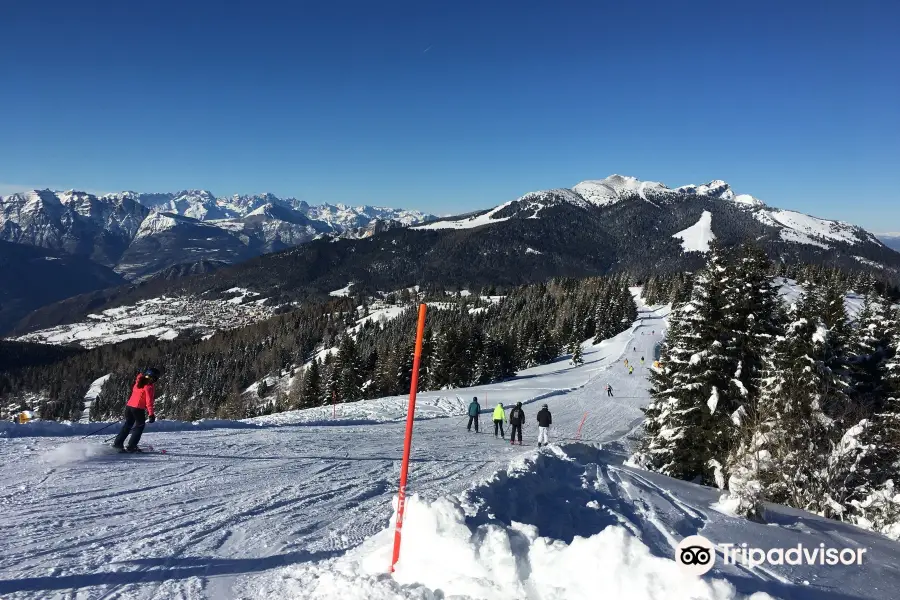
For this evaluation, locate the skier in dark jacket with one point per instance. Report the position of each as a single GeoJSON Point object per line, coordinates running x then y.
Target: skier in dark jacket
{"type": "Point", "coordinates": [544, 419]}
{"type": "Point", "coordinates": [474, 409]}
{"type": "Point", "coordinates": [609, 390]}
{"type": "Point", "coordinates": [138, 410]}
{"type": "Point", "coordinates": [516, 420]}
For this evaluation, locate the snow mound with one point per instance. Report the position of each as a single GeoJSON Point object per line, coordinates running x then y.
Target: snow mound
{"type": "Point", "coordinates": [697, 237]}
{"type": "Point", "coordinates": [454, 547]}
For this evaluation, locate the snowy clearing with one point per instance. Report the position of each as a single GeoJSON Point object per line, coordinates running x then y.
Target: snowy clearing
{"type": "Point", "coordinates": [344, 291]}
{"type": "Point", "coordinates": [698, 236]}
{"type": "Point", "coordinates": [469, 222]}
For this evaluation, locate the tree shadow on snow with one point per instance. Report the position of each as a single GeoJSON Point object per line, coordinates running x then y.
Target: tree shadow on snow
{"type": "Point", "coordinates": [163, 569]}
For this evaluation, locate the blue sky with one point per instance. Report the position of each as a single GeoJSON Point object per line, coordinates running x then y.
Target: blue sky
{"type": "Point", "coordinates": [453, 106]}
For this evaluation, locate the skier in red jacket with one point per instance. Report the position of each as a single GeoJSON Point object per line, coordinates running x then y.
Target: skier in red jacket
{"type": "Point", "coordinates": [138, 409]}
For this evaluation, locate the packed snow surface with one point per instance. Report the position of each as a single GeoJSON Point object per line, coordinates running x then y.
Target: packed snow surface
{"type": "Point", "coordinates": [698, 236]}
{"type": "Point", "coordinates": [91, 395]}
{"type": "Point", "coordinates": [299, 505]}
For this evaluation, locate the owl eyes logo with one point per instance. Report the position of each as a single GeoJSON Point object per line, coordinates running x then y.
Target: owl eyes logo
{"type": "Point", "coordinates": [696, 554]}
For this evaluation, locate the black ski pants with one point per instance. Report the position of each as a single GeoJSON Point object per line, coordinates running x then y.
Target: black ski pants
{"type": "Point", "coordinates": [472, 420]}
{"type": "Point", "coordinates": [512, 433]}
{"type": "Point", "coordinates": [499, 425]}
{"type": "Point", "coordinates": [134, 424]}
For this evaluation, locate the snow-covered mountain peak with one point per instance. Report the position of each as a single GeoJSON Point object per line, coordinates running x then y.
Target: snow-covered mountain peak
{"type": "Point", "coordinates": [615, 188]}
{"type": "Point", "coordinates": [157, 222]}
{"type": "Point", "coordinates": [714, 189]}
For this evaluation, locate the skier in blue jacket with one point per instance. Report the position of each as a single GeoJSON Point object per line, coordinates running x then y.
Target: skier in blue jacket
{"type": "Point", "coordinates": [474, 409]}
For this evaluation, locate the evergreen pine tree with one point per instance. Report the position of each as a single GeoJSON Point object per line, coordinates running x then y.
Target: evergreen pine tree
{"type": "Point", "coordinates": [311, 386]}
{"type": "Point", "coordinates": [691, 429]}
{"type": "Point", "coordinates": [577, 358]}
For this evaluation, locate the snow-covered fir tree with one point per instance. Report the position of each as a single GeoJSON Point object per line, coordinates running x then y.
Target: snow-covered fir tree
{"type": "Point", "coordinates": [577, 355]}
{"type": "Point", "coordinates": [785, 441]}
{"type": "Point", "coordinates": [689, 428]}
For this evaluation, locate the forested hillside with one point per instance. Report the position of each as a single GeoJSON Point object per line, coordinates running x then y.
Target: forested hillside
{"type": "Point", "coordinates": [796, 404]}
{"type": "Point", "coordinates": [469, 340]}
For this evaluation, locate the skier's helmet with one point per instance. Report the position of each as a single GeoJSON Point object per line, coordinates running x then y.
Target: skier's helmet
{"type": "Point", "coordinates": [474, 398]}
{"type": "Point", "coordinates": [545, 406]}
{"type": "Point", "coordinates": [152, 373]}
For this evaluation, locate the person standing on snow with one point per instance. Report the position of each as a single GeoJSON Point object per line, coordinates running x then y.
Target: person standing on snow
{"type": "Point", "coordinates": [516, 420]}
{"type": "Point", "coordinates": [138, 410]}
{"type": "Point", "coordinates": [474, 409]}
{"type": "Point", "coordinates": [499, 416]}
{"type": "Point", "coordinates": [608, 390]}
{"type": "Point", "coordinates": [630, 370]}
{"type": "Point", "coordinates": [544, 420]}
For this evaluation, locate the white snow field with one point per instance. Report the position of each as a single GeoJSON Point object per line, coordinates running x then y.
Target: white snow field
{"type": "Point", "coordinates": [297, 506]}
{"type": "Point", "coordinates": [698, 236]}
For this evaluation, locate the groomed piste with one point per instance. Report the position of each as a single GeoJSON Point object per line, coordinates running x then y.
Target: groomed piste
{"type": "Point", "coordinates": [300, 505]}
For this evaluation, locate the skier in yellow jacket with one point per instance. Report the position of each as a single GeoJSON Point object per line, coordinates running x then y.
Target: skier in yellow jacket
{"type": "Point", "coordinates": [499, 416]}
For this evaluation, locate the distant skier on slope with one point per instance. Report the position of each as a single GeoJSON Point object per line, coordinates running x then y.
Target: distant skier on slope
{"type": "Point", "coordinates": [138, 410]}
{"type": "Point", "coordinates": [516, 420]}
{"type": "Point", "coordinates": [642, 360]}
{"type": "Point", "coordinates": [609, 390]}
{"type": "Point", "coordinates": [630, 370]}
{"type": "Point", "coordinates": [499, 416]}
{"type": "Point", "coordinates": [544, 419]}
{"type": "Point", "coordinates": [474, 409]}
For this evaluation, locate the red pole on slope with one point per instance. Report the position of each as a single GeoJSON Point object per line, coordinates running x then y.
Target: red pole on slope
{"type": "Point", "coordinates": [583, 419]}
{"type": "Point", "coordinates": [410, 414]}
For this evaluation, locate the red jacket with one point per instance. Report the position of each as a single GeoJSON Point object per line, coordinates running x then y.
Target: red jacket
{"type": "Point", "coordinates": [142, 395]}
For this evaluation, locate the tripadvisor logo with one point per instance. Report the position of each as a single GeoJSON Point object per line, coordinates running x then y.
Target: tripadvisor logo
{"type": "Point", "coordinates": [697, 555]}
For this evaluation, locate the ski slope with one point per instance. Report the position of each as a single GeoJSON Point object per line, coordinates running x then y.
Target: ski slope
{"type": "Point", "coordinates": [292, 506]}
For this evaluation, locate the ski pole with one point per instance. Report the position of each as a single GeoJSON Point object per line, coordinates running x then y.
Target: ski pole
{"type": "Point", "coordinates": [99, 430]}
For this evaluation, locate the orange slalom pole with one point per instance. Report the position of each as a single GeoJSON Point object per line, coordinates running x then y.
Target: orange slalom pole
{"type": "Point", "coordinates": [410, 414]}
{"type": "Point", "coordinates": [583, 419]}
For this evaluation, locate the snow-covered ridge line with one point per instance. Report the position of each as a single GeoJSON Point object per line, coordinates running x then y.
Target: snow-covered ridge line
{"type": "Point", "coordinates": [794, 227]}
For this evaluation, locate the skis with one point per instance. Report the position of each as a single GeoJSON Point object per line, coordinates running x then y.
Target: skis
{"type": "Point", "coordinates": [145, 450]}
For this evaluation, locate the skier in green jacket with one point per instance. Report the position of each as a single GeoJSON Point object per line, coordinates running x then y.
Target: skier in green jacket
{"type": "Point", "coordinates": [499, 416]}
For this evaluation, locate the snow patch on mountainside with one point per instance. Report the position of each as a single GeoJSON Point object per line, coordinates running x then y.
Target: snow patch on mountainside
{"type": "Point", "coordinates": [162, 318]}
{"type": "Point", "coordinates": [697, 237]}
{"type": "Point", "coordinates": [344, 291]}
{"type": "Point", "coordinates": [868, 262]}
{"type": "Point", "coordinates": [470, 222]}
{"type": "Point", "coordinates": [815, 227]}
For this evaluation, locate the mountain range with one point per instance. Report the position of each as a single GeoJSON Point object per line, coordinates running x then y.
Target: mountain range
{"type": "Point", "coordinates": [138, 235]}
{"type": "Point", "coordinates": [891, 240]}
{"type": "Point", "coordinates": [108, 240]}
{"type": "Point", "coordinates": [595, 227]}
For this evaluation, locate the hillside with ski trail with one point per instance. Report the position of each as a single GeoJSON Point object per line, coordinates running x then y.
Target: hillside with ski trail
{"type": "Point", "coordinates": [294, 506]}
